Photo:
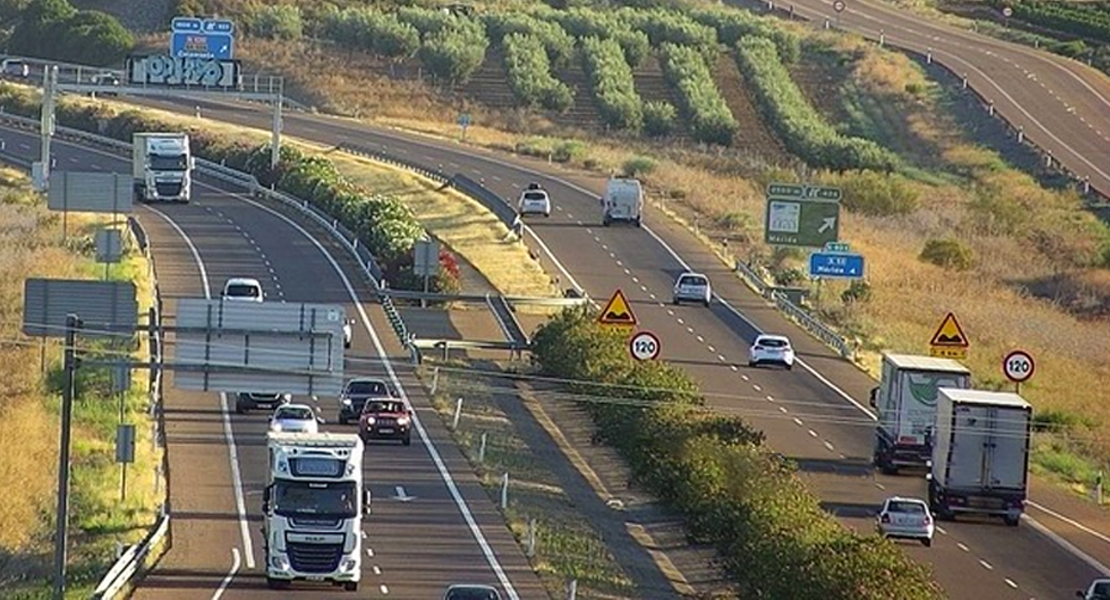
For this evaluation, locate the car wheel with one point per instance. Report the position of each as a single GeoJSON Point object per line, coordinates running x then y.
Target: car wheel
{"type": "Point", "coordinates": [342, 420]}
{"type": "Point", "coordinates": [676, 301]}
{"type": "Point", "coordinates": [706, 303]}
{"type": "Point", "coordinates": [407, 441]}
{"type": "Point", "coordinates": [347, 345]}
{"type": "Point", "coordinates": [350, 586]}
{"type": "Point", "coordinates": [928, 542]}
{"type": "Point", "coordinates": [789, 367]}
{"type": "Point", "coordinates": [752, 363]}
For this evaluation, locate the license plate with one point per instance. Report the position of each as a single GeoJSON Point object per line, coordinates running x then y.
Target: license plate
{"type": "Point", "coordinates": [314, 578]}
{"type": "Point", "coordinates": [385, 430]}
{"type": "Point", "coordinates": [980, 502]}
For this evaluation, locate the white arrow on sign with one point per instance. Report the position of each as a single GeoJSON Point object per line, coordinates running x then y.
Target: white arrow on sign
{"type": "Point", "coordinates": [827, 224]}
{"type": "Point", "coordinates": [401, 495]}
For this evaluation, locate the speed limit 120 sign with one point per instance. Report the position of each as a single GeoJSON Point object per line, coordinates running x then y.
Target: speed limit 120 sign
{"type": "Point", "coordinates": [644, 346]}
{"type": "Point", "coordinates": [1018, 366]}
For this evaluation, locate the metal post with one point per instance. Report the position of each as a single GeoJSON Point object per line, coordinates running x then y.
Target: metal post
{"type": "Point", "coordinates": [531, 538]}
{"type": "Point", "coordinates": [928, 56]}
{"type": "Point", "coordinates": [482, 449]}
{"type": "Point", "coordinates": [458, 413]}
{"type": "Point", "coordinates": [427, 282]}
{"type": "Point", "coordinates": [505, 491]}
{"type": "Point", "coordinates": [963, 83]}
{"type": "Point", "coordinates": [60, 534]}
{"type": "Point", "coordinates": [49, 77]}
{"type": "Point", "coordinates": [572, 589]}
{"type": "Point", "coordinates": [275, 141]}
{"type": "Point", "coordinates": [882, 38]}
{"type": "Point", "coordinates": [435, 380]}
{"type": "Point", "coordinates": [1098, 489]}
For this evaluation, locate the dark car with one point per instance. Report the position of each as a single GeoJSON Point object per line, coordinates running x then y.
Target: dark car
{"type": "Point", "coordinates": [245, 401]}
{"type": "Point", "coordinates": [387, 419]}
{"type": "Point", "coordinates": [357, 392]}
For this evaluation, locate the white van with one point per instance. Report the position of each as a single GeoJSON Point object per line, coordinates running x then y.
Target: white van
{"type": "Point", "coordinates": [623, 201]}
{"type": "Point", "coordinates": [243, 289]}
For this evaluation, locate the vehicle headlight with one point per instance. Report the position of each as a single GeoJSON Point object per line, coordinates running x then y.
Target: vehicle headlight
{"type": "Point", "coordinates": [279, 563]}
{"type": "Point", "coordinates": [403, 421]}
{"type": "Point", "coordinates": [346, 401]}
{"type": "Point", "coordinates": [369, 420]}
{"type": "Point", "coordinates": [275, 427]}
{"type": "Point", "coordinates": [350, 564]}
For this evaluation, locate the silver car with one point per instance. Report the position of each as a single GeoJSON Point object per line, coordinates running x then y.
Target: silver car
{"type": "Point", "coordinates": [906, 518]}
{"type": "Point", "coordinates": [471, 592]}
{"type": "Point", "coordinates": [692, 287]}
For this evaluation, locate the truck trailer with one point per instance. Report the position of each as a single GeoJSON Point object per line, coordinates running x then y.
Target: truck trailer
{"type": "Point", "coordinates": [981, 455]}
{"type": "Point", "coordinates": [313, 506]}
{"type": "Point", "coordinates": [162, 165]}
{"type": "Point", "coordinates": [906, 400]}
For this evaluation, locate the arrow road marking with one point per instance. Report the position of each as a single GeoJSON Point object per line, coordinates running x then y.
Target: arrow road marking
{"type": "Point", "coordinates": [401, 495]}
{"type": "Point", "coordinates": [827, 224]}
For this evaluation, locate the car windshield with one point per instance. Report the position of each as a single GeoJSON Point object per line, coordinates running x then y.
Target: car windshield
{"type": "Point", "coordinates": [772, 343]}
{"type": "Point", "coordinates": [535, 196]}
{"type": "Point", "coordinates": [692, 280]}
{"type": "Point", "coordinates": [367, 388]}
{"type": "Point", "coordinates": [242, 291]}
{"type": "Point", "coordinates": [386, 407]}
{"type": "Point", "coordinates": [913, 508]}
{"type": "Point", "coordinates": [293, 498]}
{"type": "Point", "coordinates": [302, 413]}
{"type": "Point", "coordinates": [1102, 588]}
{"type": "Point", "coordinates": [473, 594]}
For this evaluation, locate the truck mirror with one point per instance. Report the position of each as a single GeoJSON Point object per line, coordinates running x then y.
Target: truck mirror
{"type": "Point", "coordinates": [874, 397]}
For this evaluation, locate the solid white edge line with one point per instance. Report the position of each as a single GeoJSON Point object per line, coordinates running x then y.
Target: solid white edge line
{"type": "Point", "coordinates": [1069, 521]}
{"type": "Point", "coordinates": [230, 575]}
{"type": "Point", "coordinates": [445, 474]}
{"type": "Point", "coordinates": [1060, 541]}
{"type": "Point", "coordinates": [229, 435]}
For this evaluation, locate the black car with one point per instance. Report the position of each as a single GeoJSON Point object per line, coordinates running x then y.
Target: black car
{"type": "Point", "coordinates": [356, 393]}
{"type": "Point", "coordinates": [245, 401]}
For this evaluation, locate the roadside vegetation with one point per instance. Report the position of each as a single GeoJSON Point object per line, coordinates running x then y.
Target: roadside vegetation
{"type": "Point", "coordinates": [58, 30]}
{"type": "Point", "coordinates": [29, 412]}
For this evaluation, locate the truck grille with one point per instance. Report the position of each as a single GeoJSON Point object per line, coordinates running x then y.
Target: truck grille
{"type": "Point", "coordinates": [314, 558]}
{"type": "Point", "coordinates": [312, 523]}
{"type": "Point", "coordinates": [168, 189]}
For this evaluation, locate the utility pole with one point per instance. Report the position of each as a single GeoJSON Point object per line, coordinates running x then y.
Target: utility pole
{"type": "Point", "coordinates": [69, 363]}
{"type": "Point", "coordinates": [275, 133]}
{"type": "Point", "coordinates": [49, 79]}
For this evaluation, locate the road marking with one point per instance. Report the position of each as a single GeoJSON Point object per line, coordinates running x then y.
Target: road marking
{"type": "Point", "coordinates": [433, 452]}
{"type": "Point", "coordinates": [701, 339]}
{"type": "Point", "coordinates": [689, 330]}
{"type": "Point", "coordinates": [230, 575]}
{"type": "Point", "coordinates": [941, 530]}
{"type": "Point", "coordinates": [385, 590]}
{"type": "Point", "coordinates": [721, 358]}
{"type": "Point", "coordinates": [1010, 582]}
{"type": "Point", "coordinates": [757, 388]}
{"type": "Point", "coordinates": [829, 446]}
{"type": "Point", "coordinates": [812, 433]}
{"type": "Point", "coordinates": [744, 377]}
{"type": "Point", "coordinates": [652, 296]}
{"type": "Point", "coordinates": [369, 551]}
{"type": "Point", "coordinates": [733, 367]}
{"type": "Point", "coordinates": [237, 481]}
{"type": "Point", "coordinates": [377, 570]}
{"type": "Point", "coordinates": [1066, 545]}
{"type": "Point", "coordinates": [783, 410]}
{"type": "Point", "coordinates": [986, 565]}
{"type": "Point", "coordinates": [635, 279]}
{"type": "Point", "coordinates": [711, 348]}
{"type": "Point", "coordinates": [770, 399]}
{"type": "Point", "coordinates": [797, 421]}
{"type": "Point", "coordinates": [961, 546]}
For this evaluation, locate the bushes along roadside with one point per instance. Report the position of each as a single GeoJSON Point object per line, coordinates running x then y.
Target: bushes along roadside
{"type": "Point", "coordinates": [612, 83]}
{"type": "Point", "coordinates": [685, 70]}
{"type": "Point", "coordinates": [771, 533]}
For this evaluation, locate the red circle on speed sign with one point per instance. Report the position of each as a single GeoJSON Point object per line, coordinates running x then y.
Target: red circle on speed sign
{"type": "Point", "coordinates": [644, 346]}
{"type": "Point", "coordinates": [1018, 366]}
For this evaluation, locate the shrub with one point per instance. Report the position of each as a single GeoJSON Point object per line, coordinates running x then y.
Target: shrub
{"type": "Point", "coordinates": [878, 194]}
{"type": "Point", "coordinates": [529, 74]}
{"type": "Point", "coordinates": [710, 119]}
{"type": "Point", "coordinates": [638, 166]}
{"type": "Point", "coordinates": [54, 29]}
{"type": "Point", "coordinates": [732, 25]}
{"type": "Point", "coordinates": [362, 29]}
{"type": "Point", "coordinates": [659, 118]}
{"type": "Point", "coordinates": [714, 471]}
{"type": "Point", "coordinates": [588, 22]}
{"type": "Point", "coordinates": [613, 85]}
{"type": "Point", "coordinates": [279, 22]}
{"type": "Point", "coordinates": [453, 54]}
{"type": "Point", "coordinates": [556, 41]}
{"type": "Point", "coordinates": [802, 128]}
{"type": "Point", "coordinates": [670, 27]}
{"type": "Point", "coordinates": [948, 253]}
{"type": "Point", "coordinates": [858, 292]}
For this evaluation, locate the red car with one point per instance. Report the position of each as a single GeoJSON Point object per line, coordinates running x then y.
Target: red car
{"type": "Point", "coordinates": [385, 419]}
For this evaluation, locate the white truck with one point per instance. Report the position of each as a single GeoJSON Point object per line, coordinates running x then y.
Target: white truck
{"type": "Point", "coordinates": [981, 455]}
{"type": "Point", "coordinates": [906, 400]}
{"type": "Point", "coordinates": [623, 201]}
{"type": "Point", "coordinates": [162, 165]}
{"type": "Point", "coordinates": [312, 508]}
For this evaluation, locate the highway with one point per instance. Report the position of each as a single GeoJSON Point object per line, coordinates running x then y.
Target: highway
{"type": "Point", "coordinates": [1062, 104]}
{"type": "Point", "coordinates": [415, 548]}
{"type": "Point", "coordinates": [810, 414]}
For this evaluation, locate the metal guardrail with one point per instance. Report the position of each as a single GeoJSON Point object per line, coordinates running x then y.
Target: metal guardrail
{"type": "Point", "coordinates": [507, 321]}
{"type": "Point", "coordinates": [522, 300]}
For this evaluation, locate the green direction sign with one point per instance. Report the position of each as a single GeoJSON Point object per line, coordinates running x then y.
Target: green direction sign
{"type": "Point", "coordinates": [801, 222]}
{"type": "Point", "coordinates": [802, 191]}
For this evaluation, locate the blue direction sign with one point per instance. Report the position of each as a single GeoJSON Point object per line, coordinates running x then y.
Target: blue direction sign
{"type": "Point", "coordinates": [202, 38]}
{"type": "Point", "coordinates": [836, 265]}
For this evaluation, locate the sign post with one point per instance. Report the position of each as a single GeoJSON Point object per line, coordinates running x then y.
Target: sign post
{"type": "Point", "coordinates": [839, 7]}
{"type": "Point", "coordinates": [425, 263]}
{"type": "Point", "coordinates": [802, 216]}
{"type": "Point", "coordinates": [644, 346]}
{"type": "Point", "coordinates": [1018, 366]}
{"type": "Point", "coordinates": [949, 340]}
{"type": "Point", "coordinates": [464, 122]}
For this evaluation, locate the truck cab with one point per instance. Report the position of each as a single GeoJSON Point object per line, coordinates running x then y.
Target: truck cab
{"type": "Point", "coordinates": [623, 201]}
{"type": "Point", "coordinates": [162, 166]}
{"type": "Point", "coordinates": [313, 507]}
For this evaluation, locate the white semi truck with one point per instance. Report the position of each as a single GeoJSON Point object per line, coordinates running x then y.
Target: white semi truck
{"type": "Point", "coordinates": [162, 166]}
{"type": "Point", "coordinates": [312, 509]}
{"type": "Point", "coordinates": [981, 455]}
{"type": "Point", "coordinates": [906, 401]}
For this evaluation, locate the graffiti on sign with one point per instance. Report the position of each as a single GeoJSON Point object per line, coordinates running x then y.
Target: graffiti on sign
{"type": "Point", "coordinates": [182, 71]}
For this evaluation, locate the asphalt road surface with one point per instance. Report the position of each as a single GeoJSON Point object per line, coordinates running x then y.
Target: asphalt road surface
{"type": "Point", "coordinates": [1061, 104]}
{"type": "Point", "coordinates": [811, 414]}
{"type": "Point", "coordinates": [414, 548]}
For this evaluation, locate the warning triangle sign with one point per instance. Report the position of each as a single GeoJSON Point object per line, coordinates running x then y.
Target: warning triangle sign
{"type": "Point", "coordinates": [949, 334]}
{"type": "Point", "coordinates": [617, 311]}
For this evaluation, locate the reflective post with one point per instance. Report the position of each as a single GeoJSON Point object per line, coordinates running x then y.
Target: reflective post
{"type": "Point", "coordinates": [69, 362]}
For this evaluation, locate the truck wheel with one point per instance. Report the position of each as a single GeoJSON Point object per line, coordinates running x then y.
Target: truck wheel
{"type": "Point", "coordinates": [342, 420]}
{"type": "Point", "coordinates": [351, 586]}
{"type": "Point", "coordinates": [276, 584]}
{"type": "Point", "coordinates": [240, 410]}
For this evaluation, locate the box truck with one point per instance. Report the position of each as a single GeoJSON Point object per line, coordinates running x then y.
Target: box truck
{"type": "Point", "coordinates": [981, 454]}
{"type": "Point", "coordinates": [162, 165]}
{"type": "Point", "coordinates": [906, 400]}
{"type": "Point", "coordinates": [313, 506]}
{"type": "Point", "coordinates": [623, 201]}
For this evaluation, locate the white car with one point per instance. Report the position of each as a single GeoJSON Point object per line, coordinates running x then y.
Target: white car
{"type": "Point", "coordinates": [471, 592]}
{"type": "Point", "coordinates": [243, 289]}
{"type": "Point", "coordinates": [1098, 590]}
{"type": "Point", "coordinates": [295, 418]}
{"type": "Point", "coordinates": [906, 518]}
{"type": "Point", "coordinates": [534, 201]}
{"type": "Point", "coordinates": [773, 349]}
{"type": "Point", "coordinates": [692, 287]}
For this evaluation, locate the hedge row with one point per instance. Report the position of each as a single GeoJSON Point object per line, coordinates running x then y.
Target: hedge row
{"type": "Point", "coordinates": [1076, 19]}
{"type": "Point", "coordinates": [710, 119]}
{"type": "Point", "coordinates": [612, 82]}
{"type": "Point", "coordinates": [771, 534]}
{"type": "Point", "coordinates": [802, 128]}
{"type": "Point", "coordinates": [371, 31]}
{"type": "Point", "coordinates": [385, 225]}
{"type": "Point", "coordinates": [732, 25]}
{"type": "Point", "coordinates": [529, 74]}
{"type": "Point", "coordinates": [54, 29]}
{"type": "Point", "coordinates": [453, 53]}
{"type": "Point", "coordinates": [587, 22]}
{"type": "Point", "coordinates": [558, 43]}
{"type": "Point", "coordinates": [671, 27]}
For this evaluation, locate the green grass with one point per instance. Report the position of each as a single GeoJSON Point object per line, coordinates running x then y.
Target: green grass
{"type": "Point", "coordinates": [566, 545]}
